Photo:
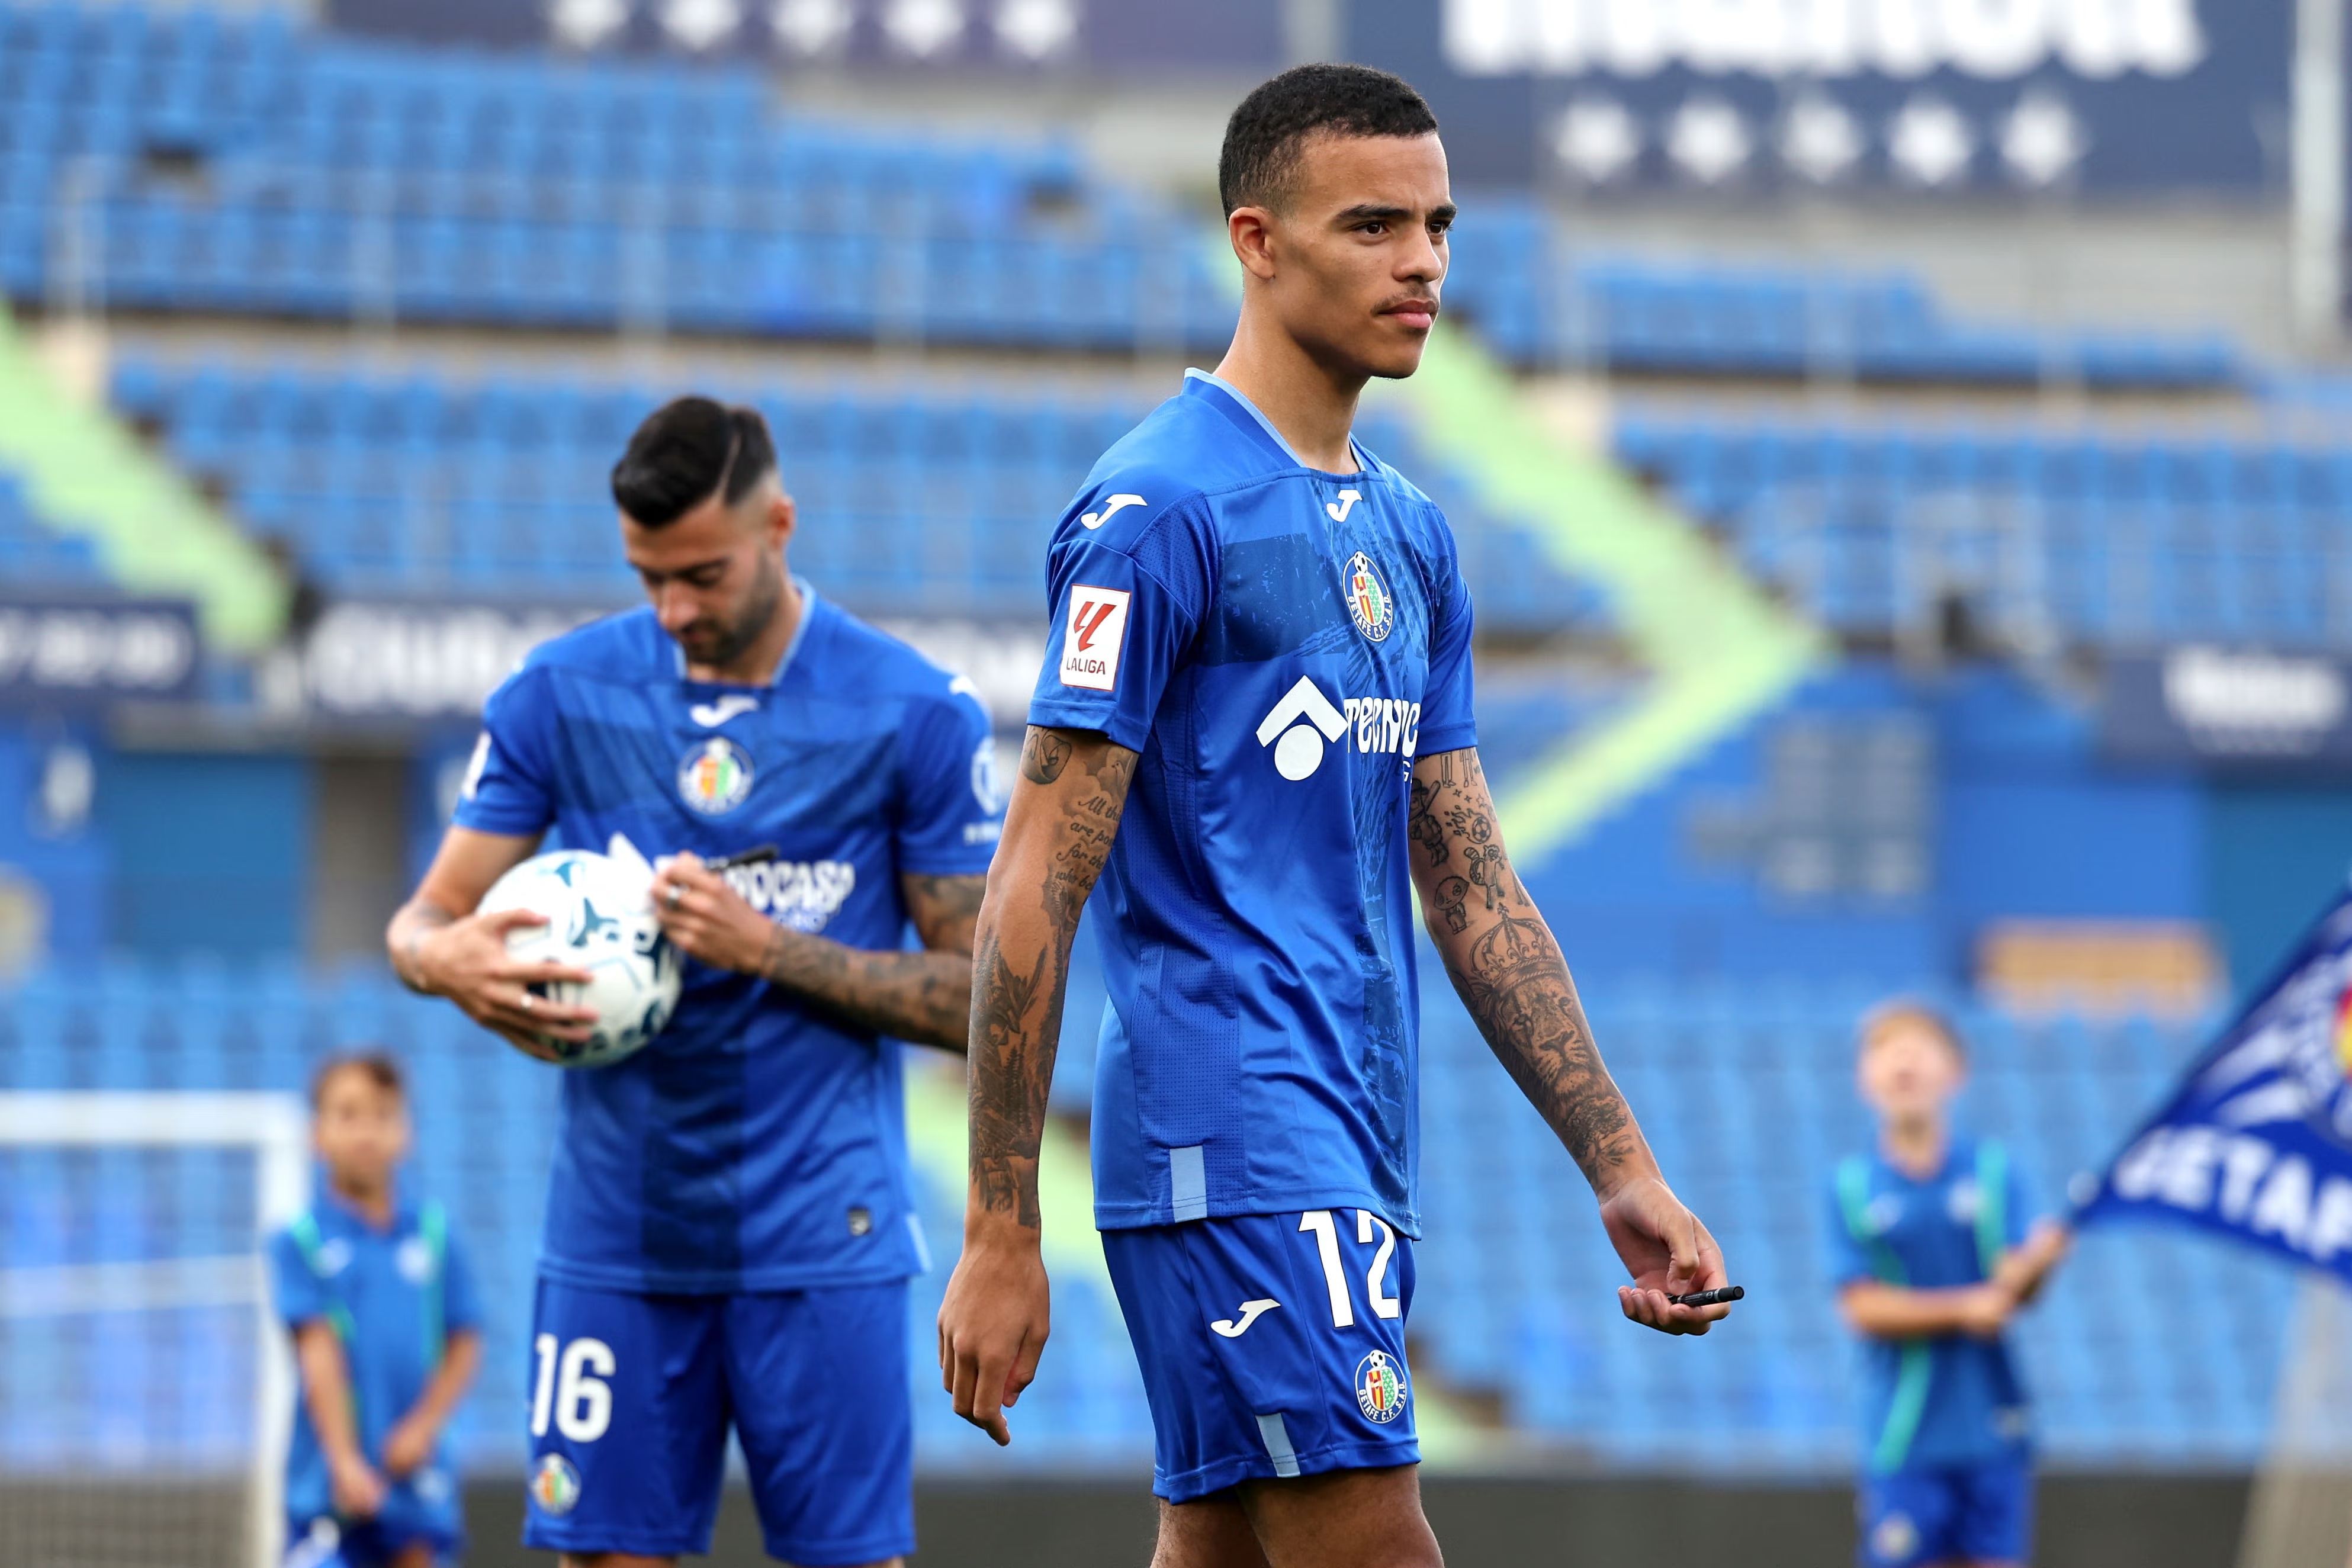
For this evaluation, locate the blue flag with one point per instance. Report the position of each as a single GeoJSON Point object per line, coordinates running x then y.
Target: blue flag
{"type": "Point", "coordinates": [2257, 1141]}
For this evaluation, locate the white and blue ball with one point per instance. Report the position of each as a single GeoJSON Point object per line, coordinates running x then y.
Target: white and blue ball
{"type": "Point", "coordinates": [600, 918]}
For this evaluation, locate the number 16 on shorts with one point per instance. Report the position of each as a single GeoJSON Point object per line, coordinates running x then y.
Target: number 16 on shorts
{"type": "Point", "coordinates": [571, 1388]}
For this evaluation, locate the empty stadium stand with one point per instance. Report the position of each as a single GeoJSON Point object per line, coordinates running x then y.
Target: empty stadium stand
{"type": "Point", "coordinates": [1541, 302]}
{"type": "Point", "coordinates": [32, 554]}
{"type": "Point", "coordinates": [2153, 1348]}
{"type": "Point", "coordinates": [188, 160]}
{"type": "Point", "coordinates": [2113, 540]}
{"type": "Point", "coordinates": [913, 503]}
{"type": "Point", "coordinates": [249, 163]}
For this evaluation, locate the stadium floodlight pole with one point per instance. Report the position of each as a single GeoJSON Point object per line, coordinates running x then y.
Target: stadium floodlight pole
{"type": "Point", "coordinates": [2316, 249]}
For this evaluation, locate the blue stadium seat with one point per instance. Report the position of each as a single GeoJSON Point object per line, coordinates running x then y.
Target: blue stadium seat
{"type": "Point", "coordinates": [911, 505]}
{"type": "Point", "coordinates": [1747, 1095]}
{"type": "Point", "coordinates": [2107, 542]}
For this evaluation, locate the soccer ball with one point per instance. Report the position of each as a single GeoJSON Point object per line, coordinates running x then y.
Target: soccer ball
{"type": "Point", "coordinates": [600, 918]}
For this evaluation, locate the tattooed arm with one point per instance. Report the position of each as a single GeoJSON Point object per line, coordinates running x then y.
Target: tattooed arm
{"type": "Point", "coordinates": [1511, 974]}
{"type": "Point", "coordinates": [1058, 833]}
{"type": "Point", "coordinates": [923, 996]}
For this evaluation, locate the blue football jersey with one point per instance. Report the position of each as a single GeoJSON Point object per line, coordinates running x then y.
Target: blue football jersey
{"type": "Point", "coordinates": [393, 1296]}
{"type": "Point", "coordinates": [757, 1144]}
{"type": "Point", "coordinates": [1952, 1400]}
{"type": "Point", "coordinates": [1279, 644]}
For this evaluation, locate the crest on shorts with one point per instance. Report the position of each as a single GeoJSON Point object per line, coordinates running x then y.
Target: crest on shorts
{"type": "Point", "coordinates": [554, 1485]}
{"type": "Point", "coordinates": [1380, 1391]}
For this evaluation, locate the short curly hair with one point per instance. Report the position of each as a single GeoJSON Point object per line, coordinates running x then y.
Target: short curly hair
{"type": "Point", "coordinates": [1263, 137]}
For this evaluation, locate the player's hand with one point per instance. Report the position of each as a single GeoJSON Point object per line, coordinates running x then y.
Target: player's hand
{"type": "Point", "coordinates": [1985, 1310]}
{"type": "Point", "coordinates": [467, 962]}
{"type": "Point", "coordinates": [356, 1488]}
{"type": "Point", "coordinates": [992, 1328]}
{"type": "Point", "coordinates": [1668, 1252]}
{"type": "Point", "coordinates": [406, 1447]}
{"type": "Point", "coordinates": [2023, 1268]}
{"type": "Point", "coordinates": [708, 920]}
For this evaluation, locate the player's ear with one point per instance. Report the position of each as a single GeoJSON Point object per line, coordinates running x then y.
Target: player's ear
{"type": "Point", "coordinates": [782, 518]}
{"type": "Point", "coordinates": [1252, 232]}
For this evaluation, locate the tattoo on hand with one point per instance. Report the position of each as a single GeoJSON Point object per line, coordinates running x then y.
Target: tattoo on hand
{"type": "Point", "coordinates": [1509, 971]}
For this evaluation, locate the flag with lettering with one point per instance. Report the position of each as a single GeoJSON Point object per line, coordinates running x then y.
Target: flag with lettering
{"type": "Point", "coordinates": [2256, 1143]}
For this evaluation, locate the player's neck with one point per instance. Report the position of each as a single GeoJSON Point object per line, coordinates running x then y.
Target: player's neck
{"type": "Point", "coordinates": [1915, 1145]}
{"type": "Point", "coordinates": [757, 665]}
{"type": "Point", "coordinates": [372, 1200]}
{"type": "Point", "coordinates": [1314, 409]}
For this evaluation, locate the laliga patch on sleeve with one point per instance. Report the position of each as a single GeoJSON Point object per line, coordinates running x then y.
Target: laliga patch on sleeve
{"type": "Point", "coordinates": [1090, 642]}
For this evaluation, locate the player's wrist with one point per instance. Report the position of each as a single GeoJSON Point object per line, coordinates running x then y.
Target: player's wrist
{"type": "Point", "coordinates": [998, 1230]}
{"type": "Point", "coordinates": [415, 960]}
{"type": "Point", "coordinates": [1614, 1181]}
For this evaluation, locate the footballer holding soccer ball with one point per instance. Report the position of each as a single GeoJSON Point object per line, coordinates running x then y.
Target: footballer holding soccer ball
{"type": "Point", "coordinates": [729, 1230]}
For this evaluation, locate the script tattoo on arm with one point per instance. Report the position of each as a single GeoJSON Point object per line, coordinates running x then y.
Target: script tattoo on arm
{"type": "Point", "coordinates": [1058, 835]}
{"type": "Point", "coordinates": [1507, 969]}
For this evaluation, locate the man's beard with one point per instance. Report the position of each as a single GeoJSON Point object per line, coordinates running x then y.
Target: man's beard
{"type": "Point", "coordinates": [759, 614]}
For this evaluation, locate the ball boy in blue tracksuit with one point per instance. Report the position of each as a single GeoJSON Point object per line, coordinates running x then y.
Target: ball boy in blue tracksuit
{"type": "Point", "coordinates": [386, 1338]}
{"type": "Point", "coordinates": [1933, 1255]}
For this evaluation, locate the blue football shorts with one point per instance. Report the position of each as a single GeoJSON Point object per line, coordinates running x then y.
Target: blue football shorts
{"type": "Point", "coordinates": [633, 1396]}
{"type": "Point", "coordinates": [325, 1542]}
{"type": "Point", "coordinates": [1271, 1345]}
{"type": "Point", "coordinates": [1967, 1513]}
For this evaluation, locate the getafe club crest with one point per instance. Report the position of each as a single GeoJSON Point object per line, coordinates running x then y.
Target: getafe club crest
{"type": "Point", "coordinates": [1368, 596]}
{"type": "Point", "coordinates": [1379, 1387]}
{"type": "Point", "coordinates": [715, 776]}
{"type": "Point", "coordinates": [555, 1486]}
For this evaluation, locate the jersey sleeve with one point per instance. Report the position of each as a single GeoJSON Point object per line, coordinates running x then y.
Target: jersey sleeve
{"type": "Point", "coordinates": [950, 807]}
{"type": "Point", "coordinates": [1129, 592]}
{"type": "Point", "coordinates": [509, 786]}
{"type": "Point", "coordinates": [1446, 707]}
{"type": "Point", "coordinates": [461, 1303]}
{"type": "Point", "coordinates": [293, 1289]}
{"type": "Point", "coordinates": [1850, 1264]}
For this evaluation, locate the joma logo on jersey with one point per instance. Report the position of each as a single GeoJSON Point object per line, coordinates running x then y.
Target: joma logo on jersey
{"type": "Point", "coordinates": [1091, 641]}
{"type": "Point", "coordinates": [1304, 720]}
{"type": "Point", "coordinates": [803, 894]}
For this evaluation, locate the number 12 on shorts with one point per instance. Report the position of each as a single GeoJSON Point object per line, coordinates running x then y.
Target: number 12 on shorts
{"type": "Point", "coordinates": [571, 1387]}
{"type": "Point", "coordinates": [1325, 1232]}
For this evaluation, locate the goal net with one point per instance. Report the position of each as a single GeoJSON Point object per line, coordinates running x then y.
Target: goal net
{"type": "Point", "coordinates": [144, 1388]}
{"type": "Point", "coordinates": [2300, 1512]}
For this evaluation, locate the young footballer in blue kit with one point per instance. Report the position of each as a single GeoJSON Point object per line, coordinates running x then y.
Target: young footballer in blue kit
{"type": "Point", "coordinates": [729, 1230]}
{"type": "Point", "coordinates": [1933, 1255]}
{"type": "Point", "coordinates": [1254, 725]}
{"type": "Point", "coordinates": [386, 1339]}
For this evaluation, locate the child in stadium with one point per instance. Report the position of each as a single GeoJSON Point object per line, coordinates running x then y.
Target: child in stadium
{"type": "Point", "coordinates": [1932, 1256]}
{"type": "Point", "coordinates": [386, 1338]}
